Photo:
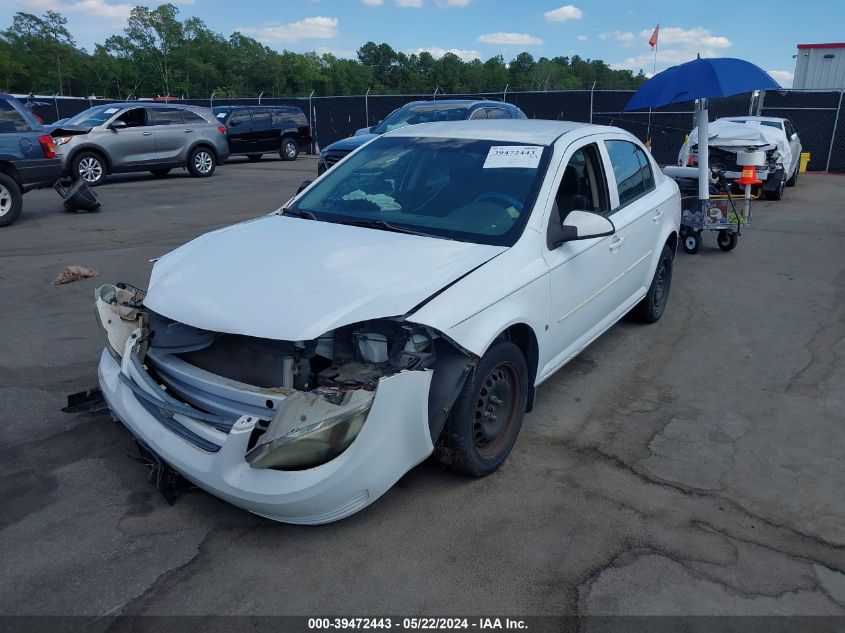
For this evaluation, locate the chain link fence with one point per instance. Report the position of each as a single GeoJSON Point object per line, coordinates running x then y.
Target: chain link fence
{"type": "Point", "coordinates": [818, 116]}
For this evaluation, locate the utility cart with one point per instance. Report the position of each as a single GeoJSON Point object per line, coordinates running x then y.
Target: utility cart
{"type": "Point", "coordinates": [725, 213]}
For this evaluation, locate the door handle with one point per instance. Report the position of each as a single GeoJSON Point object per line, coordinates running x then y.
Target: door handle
{"type": "Point", "coordinates": [659, 214]}
{"type": "Point", "coordinates": [146, 133]}
{"type": "Point", "coordinates": [188, 131]}
{"type": "Point", "coordinates": [616, 243]}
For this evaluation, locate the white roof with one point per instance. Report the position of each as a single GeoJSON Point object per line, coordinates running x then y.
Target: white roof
{"type": "Point", "coordinates": [536, 131]}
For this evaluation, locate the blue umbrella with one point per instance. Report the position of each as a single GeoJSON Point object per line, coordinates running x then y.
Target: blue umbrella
{"type": "Point", "coordinates": [701, 79]}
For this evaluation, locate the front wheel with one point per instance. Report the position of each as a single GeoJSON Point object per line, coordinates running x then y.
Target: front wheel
{"type": "Point", "coordinates": [289, 149]}
{"type": "Point", "coordinates": [90, 167]}
{"type": "Point", "coordinates": [793, 180]}
{"type": "Point", "coordinates": [487, 416]}
{"type": "Point", "coordinates": [201, 162]}
{"type": "Point", "coordinates": [726, 240]}
{"type": "Point", "coordinates": [651, 308]}
{"type": "Point", "coordinates": [692, 242]}
{"type": "Point", "coordinates": [777, 192]}
{"type": "Point", "coordinates": [11, 200]}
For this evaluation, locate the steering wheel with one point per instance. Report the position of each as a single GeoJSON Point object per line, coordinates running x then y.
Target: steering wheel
{"type": "Point", "coordinates": [500, 197]}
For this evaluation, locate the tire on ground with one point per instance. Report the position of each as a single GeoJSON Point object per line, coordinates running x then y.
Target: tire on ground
{"type": "Point", "coordinates": [11, 199]}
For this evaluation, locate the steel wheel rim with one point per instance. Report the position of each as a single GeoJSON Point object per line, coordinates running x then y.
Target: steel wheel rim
{"type": "Point", "coordinates": [661, 282]}
{"type": "Point", "coordinates": [5, 201]}
{"type": "Point", "coordinates": [496, 410]}
{"type": "Point", "coordinates": [290, 150]}
{"type": "Point", "coordinates": [202, 161]}
{"type": "Point", "coordinates": [690, 241]}
{"type": "Point", "coordinates": [90, 169]}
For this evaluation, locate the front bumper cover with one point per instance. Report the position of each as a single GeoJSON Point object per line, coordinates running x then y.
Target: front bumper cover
{"type": "Point", "coordinates": [394, 439]}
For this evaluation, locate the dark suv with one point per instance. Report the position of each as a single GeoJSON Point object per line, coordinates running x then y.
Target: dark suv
{"type": "Point", "coordinates": [257, 130]}
{"type": "Point", "coordinates": [27, 157]}
{"type": "Point", "coordinates": [420, 112]}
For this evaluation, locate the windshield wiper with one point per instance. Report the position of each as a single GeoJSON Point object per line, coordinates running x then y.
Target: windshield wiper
{"type": "Point", "coordinates": [299, 213]}
{"type": "Point", "coordinates": [385, 226]}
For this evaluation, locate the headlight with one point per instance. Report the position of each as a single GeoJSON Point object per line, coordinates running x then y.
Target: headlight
{"type": "Point", "coordinates": [118, 315]}
{"type": "Point", "coordinates": [295, 440]}
{"type": "Point", "coordinates": [61, 140]}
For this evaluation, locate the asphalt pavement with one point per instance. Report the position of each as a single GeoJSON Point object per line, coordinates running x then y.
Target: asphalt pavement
{"type": "Point", "coordinates": [694, 466]}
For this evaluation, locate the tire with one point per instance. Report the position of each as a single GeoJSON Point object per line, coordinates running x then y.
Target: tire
{"type": "Point", "coordinates": [11, 200]}
{"type": "Point", "coordinates": [726, 240]}
{"type": "Point", "coordinates": [475, 441]}
{"type": "Point", "coordinates": [692, 242]}
{"type": "Point", "coordinates": [90, 166]}
{"type": "Point", "coordinates": [159, 173]}
{"type": "Point", "coordinates": [651, 308]}
{"type": "Point", "coordinates": [793, 180]}
{"type": "Point", "coordinates": [776, 194]}
{"type": "Point", "coordinates": [254, 156]}
{"type": "Point", "coordinates": [201, 162]}
{"type": "Point", "coordinates": [289, 149]}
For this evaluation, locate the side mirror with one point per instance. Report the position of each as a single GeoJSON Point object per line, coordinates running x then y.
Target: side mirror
{"type": "Point", "coordinates": [580, 225]}
{"type": "Point", "coordinates": [303, 185]}
{"type": "Point", "coordinates": [118, 124]}
{"type": "Point", "coordinates": [794, 136]}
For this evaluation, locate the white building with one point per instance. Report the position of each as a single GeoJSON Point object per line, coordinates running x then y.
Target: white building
{"type": "Point", "coordinates": [820, 67]}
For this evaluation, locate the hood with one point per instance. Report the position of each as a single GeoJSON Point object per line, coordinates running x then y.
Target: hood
{"type": "Point", "coordinates": [294, 279]}
{"type": "Point", "coordinates": [737, 136]}
{"type": "Point", "coordinates": [68, 130]}
{"type": "Point", "coordinates": [350, 143]}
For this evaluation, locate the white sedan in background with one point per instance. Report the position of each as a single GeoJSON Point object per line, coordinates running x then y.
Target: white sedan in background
{"type": "Point", "coordinates": [408, 302]}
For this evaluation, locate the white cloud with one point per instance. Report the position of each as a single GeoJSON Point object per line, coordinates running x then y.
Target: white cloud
{"type": "Point", "coordinates": [563, 14]}
{"type": "Point", "coordinates": [783, 77]}
{"type": "Point", "coordinates": [373, 3]}
{"type": "Point", "coordinates": [318, 27]}
{"type": "Point", "coordinates": [111, 12]}
{"type": "Point", "coordinates": [582, 38]}
{"type": "Point", "coordinates": [446, 4]}
{"type": "Point", "coordinates": [436, 51]}
{"type": "Point", "coordinates": [674, 46]}
{"type": "Point", "coordinates": [625, 38]}
{"type": "Point", "coordinates": [511, 39]}
{"type": "Point", "coordinates": [413, 4]}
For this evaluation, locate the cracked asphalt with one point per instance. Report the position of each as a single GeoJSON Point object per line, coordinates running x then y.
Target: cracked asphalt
{"type": "Point", "coordinates": [690, 467]}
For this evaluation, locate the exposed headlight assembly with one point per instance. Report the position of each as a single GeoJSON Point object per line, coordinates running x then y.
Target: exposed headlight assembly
{"type": "Point", "coordinates": [308, 430]}
{"type": "Point", "coordinates": [61, 140]}
{"type": "Point", "coordinates": [118, 311]}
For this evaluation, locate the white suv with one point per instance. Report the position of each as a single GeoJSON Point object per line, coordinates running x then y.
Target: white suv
{"type": "Point", "coordinates": [408, 301]}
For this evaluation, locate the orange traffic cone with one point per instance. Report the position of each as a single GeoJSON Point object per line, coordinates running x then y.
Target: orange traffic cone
{"type": "Point", "coordinates": [749, 176]}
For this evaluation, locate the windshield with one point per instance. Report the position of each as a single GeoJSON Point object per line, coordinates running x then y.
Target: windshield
{"type": "Point", "coordinates": [464, 189]}
{"type": "Point", "coordinates": [94, 116]}
{"type": "Point", "coordinates": [773, 124]}
{"type": "Point", "coordinates": [423, 113]}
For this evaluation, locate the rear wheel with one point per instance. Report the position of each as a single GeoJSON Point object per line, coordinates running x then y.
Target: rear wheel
{"type": "Point", "coordinates": [777, 192]}
{"type": "Point", "coordinates": [651, 308]}
{"type": "Point", "coordinates": [159, 173]}
{"type": "Point", "coordinates": [11, 200]}
{"type": "Point", "coordinates": [89, 166]}
{"type": "Point", "coordinates": [793, 180]}
{"type": "Point", "coordinates": [289, 149]}
{"type": "Point", "coordinates": [726, 240]}
{"type": "Point", "coordinates": [201, 162]}
{"type": "Point", "coordinates": [487, 416]}
{"type": "Point", "coordinates": [254, 156]}
{"type": "Point", "coordinates": [692, 242]}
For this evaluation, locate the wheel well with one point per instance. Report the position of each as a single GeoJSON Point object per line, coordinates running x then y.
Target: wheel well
{"type": "Point", "coordinates": [92, 150]}
{"type": "Point", "coordinates": [523, 337]}
{"type": "Point", "coordinates": [672, 242]}
{"type": "Point", "coordinates": [11, 172]}
{"type": "Point", "coordinates": [206, 146]}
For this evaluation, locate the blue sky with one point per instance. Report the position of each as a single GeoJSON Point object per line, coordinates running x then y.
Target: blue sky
{"type": "Point", "coordinates": [616, 31]}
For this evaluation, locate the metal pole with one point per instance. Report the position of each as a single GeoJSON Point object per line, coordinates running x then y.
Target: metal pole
{"type": "Point", "coordinates": [592, 90]}
{"type": "Point", "coordinates": [760, 102]}
{"type": "Point", "coordinates": [211, 99]}
{"type": "Point", "coordinates": [833, 136]}
{"type": "Point", "coordinates": [56, 102]}
{"type": "Point", "coordinates": [703, 153]}
{"type": "Point", "coordinates": [259, 97]}
{"type": "Point", "coordinates": [311, 119]}
{"type": "Point", "coordinates": [436, 88]}
{"type": "Point", "coordinates": [367, 108]}
{"type": "Point", "coordinates": [505, 93]}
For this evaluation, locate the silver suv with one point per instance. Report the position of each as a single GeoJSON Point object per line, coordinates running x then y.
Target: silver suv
{"type": "Point", "coordinates": [122, 137]}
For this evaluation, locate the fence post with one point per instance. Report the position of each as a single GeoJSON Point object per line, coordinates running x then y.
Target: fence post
{"type": "Point", "coordinates": [505, 93]}
{"type": "Point", "coordinates": [211, 99]}
{"type": "Point", "coordinates": [259, 97]}
{"type": "Point", "coordinates": [367, 108]}
{"type": "Point", "coordinates": [833, 136]}
{"type": "Point", "coordinates": [311, 120]}
{"type": "Point", "coordinates": [56, 102]}
{"type": "Point", "coordinates": [592, 90]}
{"type": "Point", "coordinates": [760, 102]}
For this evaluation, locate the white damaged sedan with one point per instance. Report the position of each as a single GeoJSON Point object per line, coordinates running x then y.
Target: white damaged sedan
{"type": "Point", "coordinates": [407, 302]}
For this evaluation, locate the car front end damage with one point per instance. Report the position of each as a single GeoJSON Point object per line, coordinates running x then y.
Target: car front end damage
{"type": "Point", "coordinates": [296, 431]}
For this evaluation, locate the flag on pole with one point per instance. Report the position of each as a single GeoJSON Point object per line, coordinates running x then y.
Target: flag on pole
{"type": "Point", "coordinates": [652, 41]}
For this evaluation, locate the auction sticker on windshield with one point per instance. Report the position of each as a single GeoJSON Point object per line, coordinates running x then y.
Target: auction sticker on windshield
{"type": "Point", "coordinates": [510, 156]}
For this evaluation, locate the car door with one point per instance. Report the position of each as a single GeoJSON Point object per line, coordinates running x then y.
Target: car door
{"type": "Point", "coordinates": [132, 144]}
{"type": "Point", "coordinates": [240, 130]}
{"type": "Point", "coordinates": [637, 215]}
{"type": "Point", "coordinates": [794, 145]}
{"type": "Point", "coordinates": [171, 133]}
{"type": "Point", "coordinates": [584, 297]}
{"type": "Point", "coordinates": [265, 137]}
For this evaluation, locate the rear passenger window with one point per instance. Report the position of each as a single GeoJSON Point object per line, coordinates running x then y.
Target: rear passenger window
{"type": "Point", "coordinates": [497, 113]}
{"type": "Point", "coordinates": [167, 116]}
{"type": "Point", "coordinates": [631, 170]}
{"type": "Point", "coordinates": [481, 113]}
{"type": "Point", "coordinates": [10, 119]}
{"type": "Point", "coordinates": [260, 116]}
{"type": "Point", "coordinates": [192, 117]}
{"type": "Point", "coordinates": [240, 117]}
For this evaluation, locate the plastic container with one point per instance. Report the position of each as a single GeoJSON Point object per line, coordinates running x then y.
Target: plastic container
{"type": "Point", "coordinates": [78, 195]}
{"type": "Point", "coordinates": [805, 159]}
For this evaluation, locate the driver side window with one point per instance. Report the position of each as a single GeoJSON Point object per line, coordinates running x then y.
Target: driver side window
{"type": "Point", "coordinates": [583, 186]}
{"type": "Point", "coordinates": [136, 117]}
